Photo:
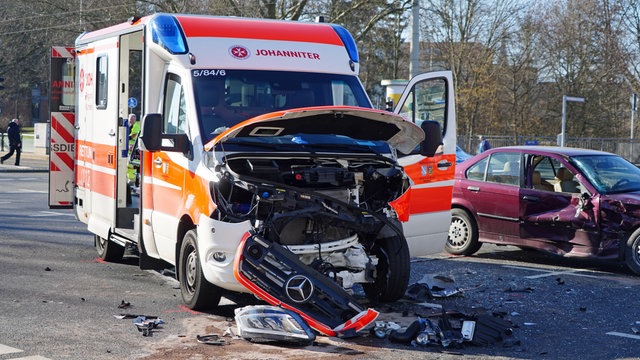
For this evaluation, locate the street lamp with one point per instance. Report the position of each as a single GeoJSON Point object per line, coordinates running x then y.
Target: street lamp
{"type": "Point", "coordinates": [566, 98]}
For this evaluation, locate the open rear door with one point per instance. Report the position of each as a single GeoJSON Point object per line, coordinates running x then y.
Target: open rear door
{"type": "Point", "coordinates": [62, 120]}
{"type": "Point", "coordinates": [431, 97]}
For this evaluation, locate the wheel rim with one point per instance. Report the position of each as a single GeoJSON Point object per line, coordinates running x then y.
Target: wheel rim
{"type": "Point", "coordinates": [459, 233]}
{"type": "Point", "coordinates": [191, 264]}
{"type": "Point", "coordinates": [636, 251]}
{"type": "Point", "coordinates": [102, 244]}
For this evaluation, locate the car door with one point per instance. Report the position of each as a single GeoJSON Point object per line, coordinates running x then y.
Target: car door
{"type": "Point", "coordinates": [492, 188]}
{"type": "Point", "coordinates": [550, 211]}
{"type": "Point", "coordinates": [168, 172]}
{"type": "Point", "coordinates": [430, 97]}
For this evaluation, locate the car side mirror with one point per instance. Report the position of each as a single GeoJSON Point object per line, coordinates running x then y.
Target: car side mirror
{"type": "Point", "coordinates": [153, 139]}
{"type": "Point", "coordinates": [151, 134]}
{"type": "Point", "coordinates": [432, 138]}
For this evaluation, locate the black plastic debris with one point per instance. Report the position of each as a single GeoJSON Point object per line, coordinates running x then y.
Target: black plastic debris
{"type": "Point", "coordinates": [124, 305]}
{"type": "Point", "coordinates": [211, 339]}
{"type": "Point", "coordinates": [490, 330]}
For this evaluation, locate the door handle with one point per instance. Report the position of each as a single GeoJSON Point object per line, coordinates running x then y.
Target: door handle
{"type": "Point", "coordinates": [444, 164]}
{"type": "Point", "coordinates": [112, 133]}
{"type": "Point", "coordinates": [157, 161]}
{"type": "Point", "coordinates": [530, 198]}
{"type": "Point", "coordinates": [473, 188]}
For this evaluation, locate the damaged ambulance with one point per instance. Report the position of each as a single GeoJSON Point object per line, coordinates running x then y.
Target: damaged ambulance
{"type": "Point", "coordinates": [262, 166]}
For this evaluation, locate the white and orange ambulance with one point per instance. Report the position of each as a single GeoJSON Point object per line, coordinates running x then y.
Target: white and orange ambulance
{"type": "Point", "coordinates": [263, 166]}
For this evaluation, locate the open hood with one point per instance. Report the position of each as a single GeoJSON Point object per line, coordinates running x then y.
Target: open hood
{"type": "Point", "coordinates": [354, 122]}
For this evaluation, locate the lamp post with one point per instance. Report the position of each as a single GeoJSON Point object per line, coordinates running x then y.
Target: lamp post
{"type": "Point", "coordinates": [566, 98]}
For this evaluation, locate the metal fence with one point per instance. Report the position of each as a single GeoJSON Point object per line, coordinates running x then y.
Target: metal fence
{"type": "Point", "coordinates": [625, 147]}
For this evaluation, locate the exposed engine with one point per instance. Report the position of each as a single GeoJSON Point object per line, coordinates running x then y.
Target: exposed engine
{"type": "Point", "coordinates": [329, 211]}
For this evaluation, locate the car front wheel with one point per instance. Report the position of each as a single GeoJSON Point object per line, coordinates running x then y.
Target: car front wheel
{"type": "Point", "coordinates": [632, 252]}
{"type": "Point", "coordinates": [463, 234]}
{"type": "Point", "coordinates": [197, 292]}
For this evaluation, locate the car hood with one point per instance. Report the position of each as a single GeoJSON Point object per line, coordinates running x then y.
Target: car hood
{"type": "Point", "coordinates": [354, 122]}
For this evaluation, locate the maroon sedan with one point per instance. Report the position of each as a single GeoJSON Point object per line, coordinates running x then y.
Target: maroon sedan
{"type": "Point", "coordinates": [565, 201]}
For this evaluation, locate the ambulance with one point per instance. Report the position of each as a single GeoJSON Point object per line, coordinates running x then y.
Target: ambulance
{"type": "Point", "coordinates": [261, 167]}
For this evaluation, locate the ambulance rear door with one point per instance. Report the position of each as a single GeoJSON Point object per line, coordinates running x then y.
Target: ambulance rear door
{"type": "Point", "coordinates": [62, 127]}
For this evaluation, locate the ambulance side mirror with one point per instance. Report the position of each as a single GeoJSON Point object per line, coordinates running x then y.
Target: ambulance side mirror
{"type": "Point", "coordinates": [151, 135]}
{"type": "Point", "coordinates": [432, 138]}
{"type": "Point", "coordinates": [153, 139]}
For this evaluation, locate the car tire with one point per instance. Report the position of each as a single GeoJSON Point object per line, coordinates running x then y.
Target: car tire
{"type": "Point", "coordinates": [463, 234]}
{"type": "Point", "coordinates": [632, 252]}
{"type": "Point", "coordinates": [197, 292]}
{"type": "Point", "coordinates": [392, 272]}
{"type": "Point", "coordinates": [108, 250]}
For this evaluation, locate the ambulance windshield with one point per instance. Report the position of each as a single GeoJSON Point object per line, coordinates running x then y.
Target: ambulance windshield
{"type": "Point", "coordinates": [225, 98]}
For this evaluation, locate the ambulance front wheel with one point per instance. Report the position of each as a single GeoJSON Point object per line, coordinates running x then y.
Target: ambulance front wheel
{"type": "Point", "coordinates": [108, 250]}
{"type": "Point", "coordinates": [197, 292]}
{"type": "Point", "coordinates": [392, 271]}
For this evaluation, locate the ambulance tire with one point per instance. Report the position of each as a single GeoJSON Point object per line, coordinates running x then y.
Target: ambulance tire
{"type": "Point", "coordinates": [392, 272]}
{"type": "Point", "coordinates": [108, 250]}
{"type": "Point", "coordinates": [197, 292]}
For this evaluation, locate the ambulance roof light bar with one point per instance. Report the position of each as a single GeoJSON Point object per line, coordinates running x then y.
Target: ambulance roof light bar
{"type": "Point", "coordinates": [166, 32]}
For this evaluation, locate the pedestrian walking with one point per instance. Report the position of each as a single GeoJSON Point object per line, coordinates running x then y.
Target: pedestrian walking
{"type": "Point", "coordinates": [484, 144]}
{"type": "Point", "coordinates": [15, 142]}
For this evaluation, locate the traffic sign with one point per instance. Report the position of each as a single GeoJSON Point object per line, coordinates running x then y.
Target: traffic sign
{"type": "Point", "coordinates": [132, 102]}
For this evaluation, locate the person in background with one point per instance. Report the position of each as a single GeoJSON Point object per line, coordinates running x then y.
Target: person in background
{"type": "Point", "coordinates": [15, 141]}
{"type": "Point", "coordinates": [134, 130]}
{"type": "Point", "coordinates": [134, 155]}
{"type": "Point", "coordinates": [484, 144]}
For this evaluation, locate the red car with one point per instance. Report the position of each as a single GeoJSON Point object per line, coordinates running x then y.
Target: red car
{"type": "Point", "coordinates": [564, 201]}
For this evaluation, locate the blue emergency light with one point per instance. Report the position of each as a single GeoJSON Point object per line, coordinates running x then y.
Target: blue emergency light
{"type": "Point", "coordinates": [348, 42]}
{"type": "Point", "coordinates": [166, 32]}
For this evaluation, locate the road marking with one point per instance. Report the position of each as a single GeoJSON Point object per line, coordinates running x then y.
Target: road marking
{"type": "Point", "coordinates": [49, 213]}
{"type": "Point", "coordinates": [29, 191]}
{"type": "Point", "coordinates": [4, 349]}
{"type": "Point", "coordinates": [546, 273]}
{"type": "Point", "coordinates": [630, 336]}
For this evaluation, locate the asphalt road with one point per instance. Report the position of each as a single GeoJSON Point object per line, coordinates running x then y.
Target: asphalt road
{"type": "Point", "coordinates": [57, 301]}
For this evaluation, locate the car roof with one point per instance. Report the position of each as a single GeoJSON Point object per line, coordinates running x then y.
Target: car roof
{"type": "Point", "coordinates": [567, 151]}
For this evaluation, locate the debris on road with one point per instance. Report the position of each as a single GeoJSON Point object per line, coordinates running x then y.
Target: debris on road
{"type": "Point", "coordinates": [262, 323]}
{"type": "Point", "coordinates": [212, 339]}
{"type": "Point", "coordinates": [145, 326]}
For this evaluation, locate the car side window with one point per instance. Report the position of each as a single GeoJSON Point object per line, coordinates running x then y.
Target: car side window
{"type": "Point", "coordinates": [542, 172]}
{"type": "Point", "coordinates": [477, 170]}
{"type": "Point", "coordinates": [504, 168]}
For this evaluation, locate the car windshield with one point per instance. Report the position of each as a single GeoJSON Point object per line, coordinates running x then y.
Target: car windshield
{"type": "Point", "coordinates": [609, 174]}
{"type": "Point", "coordinates": [225, 98]}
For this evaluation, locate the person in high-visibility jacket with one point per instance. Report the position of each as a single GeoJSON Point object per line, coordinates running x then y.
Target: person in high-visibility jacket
{"type": "Point", "coordinates": [134, 130]}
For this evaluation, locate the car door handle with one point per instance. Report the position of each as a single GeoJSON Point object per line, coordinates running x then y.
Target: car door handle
{"type": "Point", "coordinates": [157, 161]}
{"type": "Point", "coordinates": [473, 188]}
{"type": "Point", "coordinates": [530, 198]}
{"type": "Point", "coordinates": [445, 164]}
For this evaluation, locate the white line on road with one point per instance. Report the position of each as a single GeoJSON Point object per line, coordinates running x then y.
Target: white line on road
{"type": "Point", "coordinates": [49, 213]}
{"type": "Point", "coordinates": [4, 349]}
{"type": "Point", "coordinates": [630, 336]}
{"type": "Point", "coordinates": [29, 191]}
{"type": "Point", "coordinates": [546, 273]}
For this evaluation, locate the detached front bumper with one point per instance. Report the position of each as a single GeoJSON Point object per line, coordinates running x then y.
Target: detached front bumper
{"type": "Point", "coordinates": [276, 275]}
